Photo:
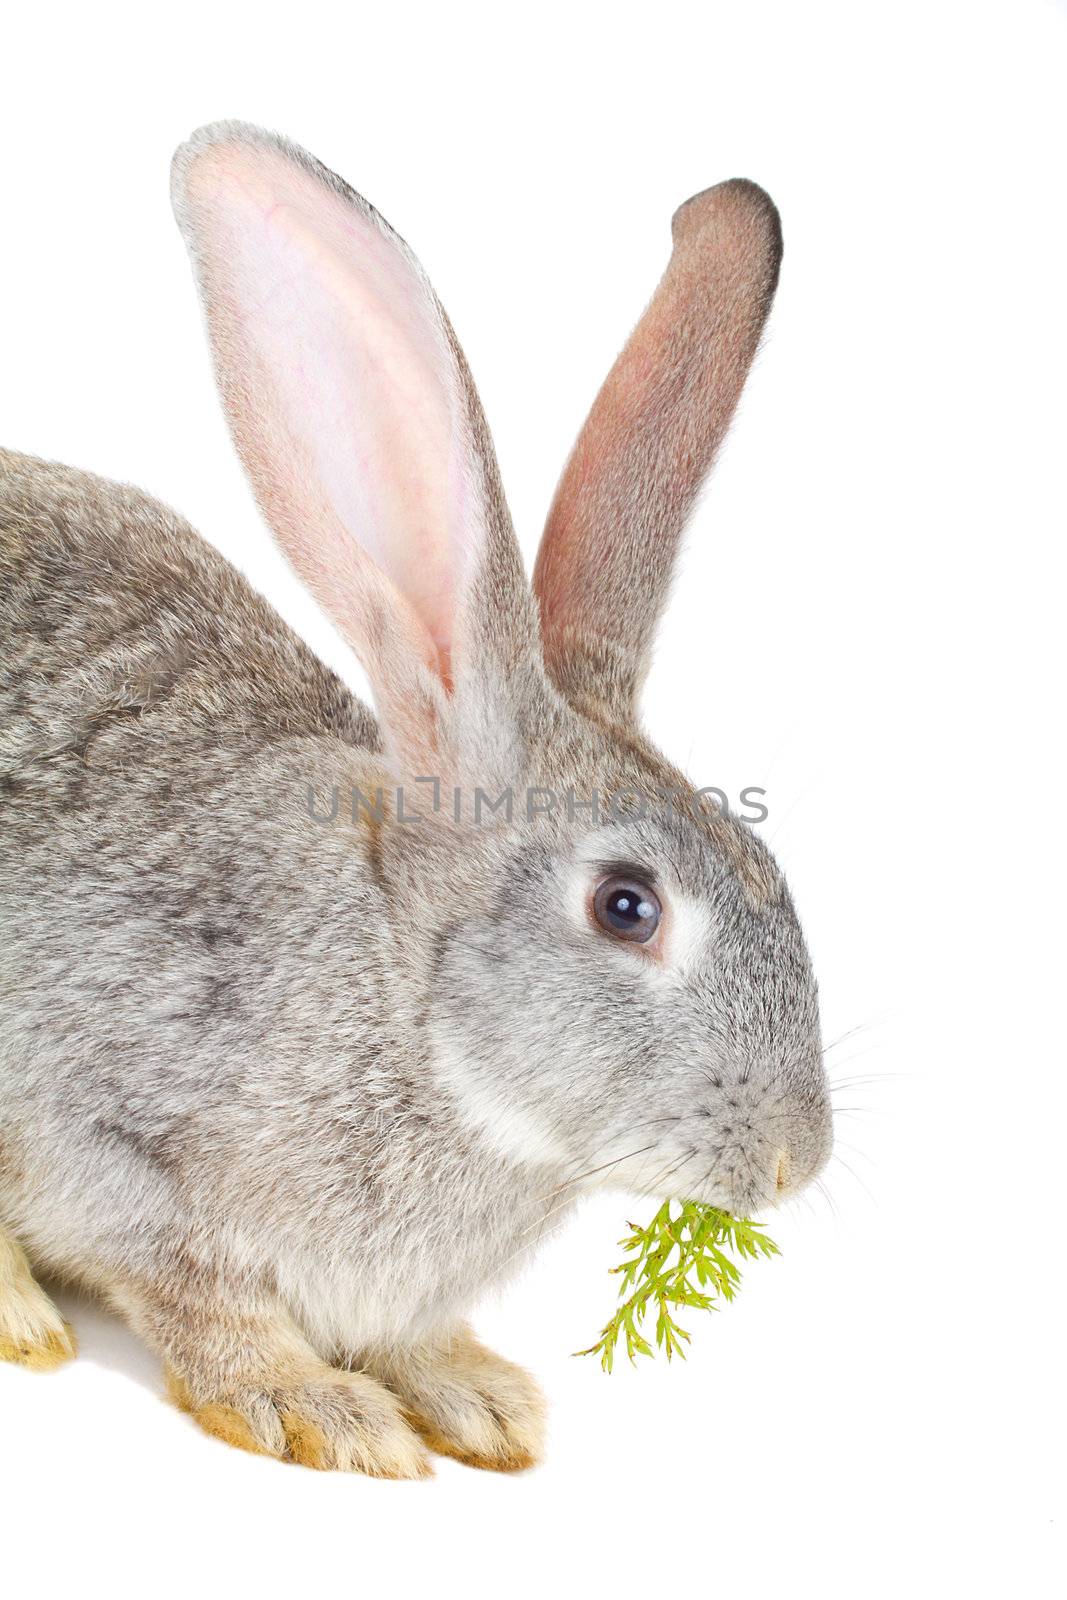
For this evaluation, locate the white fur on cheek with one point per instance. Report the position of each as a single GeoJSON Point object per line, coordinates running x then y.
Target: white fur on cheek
{"type": "Point", "coordinates": [509, 1130]}
{"type": "Point", "coordinates": [686, 935]}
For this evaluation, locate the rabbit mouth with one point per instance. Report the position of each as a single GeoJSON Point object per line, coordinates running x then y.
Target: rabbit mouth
{"type": "Point", "coordinates": [742, 1178]}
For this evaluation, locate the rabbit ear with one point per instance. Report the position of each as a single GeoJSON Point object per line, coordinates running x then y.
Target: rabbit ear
{"type": "Point", "coordinates": [614, 528]}
{"type": "Point", "coordinates": [356, 419]}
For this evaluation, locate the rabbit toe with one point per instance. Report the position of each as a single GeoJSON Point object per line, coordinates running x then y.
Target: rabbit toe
{"type": "Point", "coordinates": [341, 1422]}
{"type": "Point", "coordinates": [349, 1423]}
{"type": "Point", "coordinates": [39, 1350]}
{"type": "Point", "coordinates": [246, 1419]}
{"type": "Point", "coordinates": [472, 1405]}
{"type": "Point", "coordinates": [32, 1332]}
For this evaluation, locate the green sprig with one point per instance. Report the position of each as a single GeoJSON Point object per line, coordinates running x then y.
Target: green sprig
{"type": "Point", "coordinates": [677, 1260]}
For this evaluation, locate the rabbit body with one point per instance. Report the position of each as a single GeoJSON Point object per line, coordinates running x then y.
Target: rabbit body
{"type": "Point", "coordinates": [296, 1061]}
{"type": "Point", "coordinates": [209, 1016]}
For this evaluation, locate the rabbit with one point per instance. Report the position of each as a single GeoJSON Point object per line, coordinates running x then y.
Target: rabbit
{"type": "Point", "coordinates": [298, 1057]}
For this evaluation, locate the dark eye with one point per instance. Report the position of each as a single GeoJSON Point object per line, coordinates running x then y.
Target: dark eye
{"type": "Point", "coordinates": [627, 908]}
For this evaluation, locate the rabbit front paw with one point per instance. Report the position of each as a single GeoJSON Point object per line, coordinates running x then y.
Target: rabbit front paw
{"type": "Point", "coordinates": [339, 1422]}
{"type": "Point", "coordinates": [32, 1332]}
{"type": "Point", "coordinates": [469, 1403]}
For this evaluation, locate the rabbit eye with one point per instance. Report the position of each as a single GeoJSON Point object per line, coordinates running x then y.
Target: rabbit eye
{"type": "Point", "coordinates": [627, 908]}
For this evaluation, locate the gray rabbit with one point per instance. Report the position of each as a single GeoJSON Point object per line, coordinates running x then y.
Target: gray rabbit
{"type": "Point", "coordinates": [298, 1053]}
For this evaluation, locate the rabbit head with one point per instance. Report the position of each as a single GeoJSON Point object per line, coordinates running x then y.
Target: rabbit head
{"type": "Point", "coordinates": [613, 978]}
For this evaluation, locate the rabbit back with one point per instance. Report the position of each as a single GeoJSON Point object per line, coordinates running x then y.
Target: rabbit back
{"type": "Point", "coordinates": [113, 608]}
{"type": "Point", "coordinates": [184, 944]}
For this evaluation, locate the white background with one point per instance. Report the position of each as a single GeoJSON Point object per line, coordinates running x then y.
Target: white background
{"type": "Point", "coordinates": [868, 623]}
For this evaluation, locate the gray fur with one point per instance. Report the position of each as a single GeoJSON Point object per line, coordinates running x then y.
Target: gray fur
{"type": "Point", "coordinates": [341, 1069]}
{"type": "Point", "coordinates": [613, 532]}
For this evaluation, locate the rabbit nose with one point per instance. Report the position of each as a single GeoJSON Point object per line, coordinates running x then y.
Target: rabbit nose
{"type": "Point", "coordinates": [781, 1171]}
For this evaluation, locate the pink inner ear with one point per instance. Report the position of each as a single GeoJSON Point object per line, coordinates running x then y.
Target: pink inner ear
{"type": "Point", "coordinates": [337, 371]}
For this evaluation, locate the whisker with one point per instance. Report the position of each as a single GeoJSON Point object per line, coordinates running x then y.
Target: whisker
{"type": "Point", "coordinates": [864, 1080]}
{"type": "Point", "coordinates": [854, 1175]}
{"type": "Point", "coordinates": [663, 1177]}
{"type": "Point", "coordinates": [838, 1076]}
{"type": "Point", "coordinates": [591, 1171]}
{"type": "Point", "coordinates": [849, 1033]}
{"type": "Point", "coordinates": [856, 1151]}
{"type": "Point", "coordinates": [587, 1156]}
{"type": "Point", "coordinates": [819, 1185]}
{"type": "Point", "coordinates": [522, 1247]}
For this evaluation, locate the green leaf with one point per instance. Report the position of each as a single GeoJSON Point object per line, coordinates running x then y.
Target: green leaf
{"type": "Point", "coordinates": [666, 1257]}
